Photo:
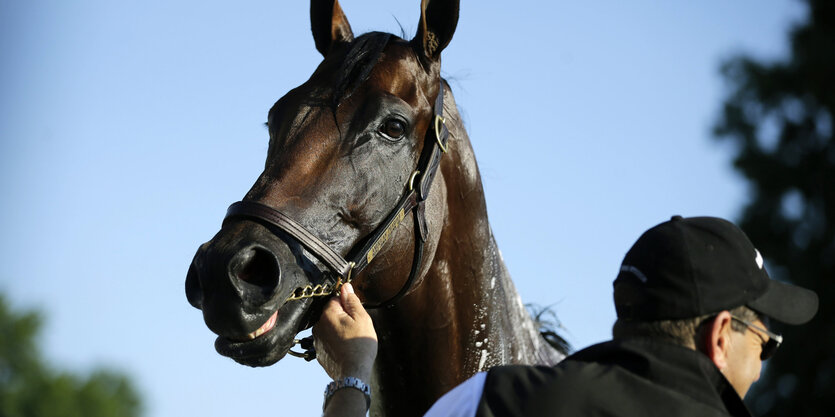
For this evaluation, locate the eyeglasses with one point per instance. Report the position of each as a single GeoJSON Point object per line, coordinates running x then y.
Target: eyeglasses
{"type": "Point", "coordinates": [769, 346]}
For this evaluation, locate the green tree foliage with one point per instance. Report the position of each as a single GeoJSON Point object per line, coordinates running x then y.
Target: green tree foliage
{"type": "Point", "coordinates": [28, 388]}
{"type": "Point", "coordinates": [780, 117]}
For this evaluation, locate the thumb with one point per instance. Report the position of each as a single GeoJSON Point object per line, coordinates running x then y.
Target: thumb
{"type": "Point", "coordinates": [350, 302]}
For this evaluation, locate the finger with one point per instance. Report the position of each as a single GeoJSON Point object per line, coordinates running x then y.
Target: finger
{"type": "Point", "coordinates": [350, 302]}
{"type": "Point", "coordinates": [330, 314]}
{"type": "Point", "coordinates": [333, 307]}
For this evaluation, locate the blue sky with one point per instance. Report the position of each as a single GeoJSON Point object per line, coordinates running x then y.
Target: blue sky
{"type": "Point", "coordinates": [126, 128]}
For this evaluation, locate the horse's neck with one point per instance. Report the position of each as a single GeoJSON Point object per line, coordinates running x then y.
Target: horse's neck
{"type": "Point", "coordinates": [499, 329]}
{"type": "Point", "coordinates": [519, 340]}
{"type": "Point", "coordinates": [466, 315]}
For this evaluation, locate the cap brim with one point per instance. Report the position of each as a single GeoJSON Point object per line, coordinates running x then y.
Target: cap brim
{"type": "Point", "coordinates": [786, 303]}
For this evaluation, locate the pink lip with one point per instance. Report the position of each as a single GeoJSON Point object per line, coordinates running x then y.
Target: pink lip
{"type": "Point", "coordinates": [267, 326]}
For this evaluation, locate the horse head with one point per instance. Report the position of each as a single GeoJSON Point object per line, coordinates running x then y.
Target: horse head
{"type": "Point", "coordinates": [352, 153]}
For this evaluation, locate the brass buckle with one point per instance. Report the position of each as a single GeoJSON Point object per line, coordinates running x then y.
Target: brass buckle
{"type": "Point", "coordinates": [351, 266]}
{"type": "Point", "coordinates": [338, 286]}
{"type": "Point", "coordinates": [442, 121]}
{"type": "Point", "coordinates": [309, 354]}
{"type": "Point", "coordinates": [412, 180]}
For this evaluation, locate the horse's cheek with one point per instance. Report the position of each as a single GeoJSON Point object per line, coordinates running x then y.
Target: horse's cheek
{"type": "Point", "coordinates": [437, 213]}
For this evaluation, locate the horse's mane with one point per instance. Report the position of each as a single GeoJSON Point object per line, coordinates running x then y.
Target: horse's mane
{"type": "Point", "coordinates": [546, 321]}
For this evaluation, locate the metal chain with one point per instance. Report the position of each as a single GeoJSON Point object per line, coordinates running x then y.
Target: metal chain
{"type": "Point", "coordinates": [320, 290]}
{"type": "Point", "coordinates": [310, 291]}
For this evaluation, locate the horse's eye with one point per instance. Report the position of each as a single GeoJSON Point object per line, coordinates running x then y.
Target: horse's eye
{"type": "Point", "coordinates": [393, 128]}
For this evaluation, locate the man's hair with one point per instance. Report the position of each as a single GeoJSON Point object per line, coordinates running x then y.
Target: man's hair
{"type": "Point", "coordinates": [684, 332]}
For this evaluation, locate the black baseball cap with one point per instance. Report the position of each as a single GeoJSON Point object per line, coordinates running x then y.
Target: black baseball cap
{"type": "Point", "coordinates": [690, 267]}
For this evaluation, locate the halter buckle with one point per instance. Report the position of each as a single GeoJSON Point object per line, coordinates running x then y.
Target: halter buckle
{"type": "Point", "coordinates": [439, 123]}
{"type": "Point", "coordinates": [351, 266]}
{"type": "Point", "coordinates": [307, 344]}
{"type": "Point", "coordinates": [412, 180]}
{"type": "Point", "coordinates": [339, 283]}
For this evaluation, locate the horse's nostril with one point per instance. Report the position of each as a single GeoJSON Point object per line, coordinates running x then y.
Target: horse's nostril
{"type": "Point", "coordinates": [193, 291]}
{"type": "Point", "coordinates": [257, 266]}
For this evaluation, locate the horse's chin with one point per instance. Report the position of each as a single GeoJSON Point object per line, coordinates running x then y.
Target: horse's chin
{"type": "Point", "coordinates": [271, 346]}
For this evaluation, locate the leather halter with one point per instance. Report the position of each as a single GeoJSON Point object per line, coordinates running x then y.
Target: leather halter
{"type": "Point", "coordinates": [413, 199]}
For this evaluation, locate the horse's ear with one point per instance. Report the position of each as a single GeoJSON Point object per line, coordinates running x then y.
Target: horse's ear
{"type": "Point", "coordinates": [438, 19]}
{"type": "Point", "coordinates": [329, 25]}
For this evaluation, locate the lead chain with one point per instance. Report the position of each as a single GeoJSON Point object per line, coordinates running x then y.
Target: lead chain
{"type": "Point", "coordinates": [311, 291]}
{"type": "Point", "coordinates": [320, 290]}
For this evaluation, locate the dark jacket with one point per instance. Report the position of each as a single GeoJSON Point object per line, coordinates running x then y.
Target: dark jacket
{"type": "Point", "coordinates": [619, 378]}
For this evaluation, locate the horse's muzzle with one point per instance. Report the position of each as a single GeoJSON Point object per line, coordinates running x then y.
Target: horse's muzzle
{"type": "Point", "coordinates": [250, 274]}
{"type": "Point", "coordinates": [241, 280]}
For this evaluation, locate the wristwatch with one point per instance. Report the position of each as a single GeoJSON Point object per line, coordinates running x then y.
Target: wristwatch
{"type": "Point", "coordinates": [347, 382]}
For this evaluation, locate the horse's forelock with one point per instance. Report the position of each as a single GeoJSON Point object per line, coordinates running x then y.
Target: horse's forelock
{"type": "Point", "coordinates": [364, 53]}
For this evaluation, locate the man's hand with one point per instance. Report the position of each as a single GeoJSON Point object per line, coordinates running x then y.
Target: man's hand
{"type": "Point", "coordinates": [344, 337]}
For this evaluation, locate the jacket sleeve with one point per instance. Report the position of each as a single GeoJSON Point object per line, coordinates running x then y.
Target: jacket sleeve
{"type": "Point", "coordinates": [462, 401]}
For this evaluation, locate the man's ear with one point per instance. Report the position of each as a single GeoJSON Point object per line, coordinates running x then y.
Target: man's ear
{"type": "Point", "coordinates": [716, 340]}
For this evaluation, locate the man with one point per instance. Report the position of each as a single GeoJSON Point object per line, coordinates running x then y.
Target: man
{"type": "Point", "coordinates": [693, 302]}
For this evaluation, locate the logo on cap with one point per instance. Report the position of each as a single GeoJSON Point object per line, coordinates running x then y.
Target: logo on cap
{"type": "Point", "coordinates": [634, 271]}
